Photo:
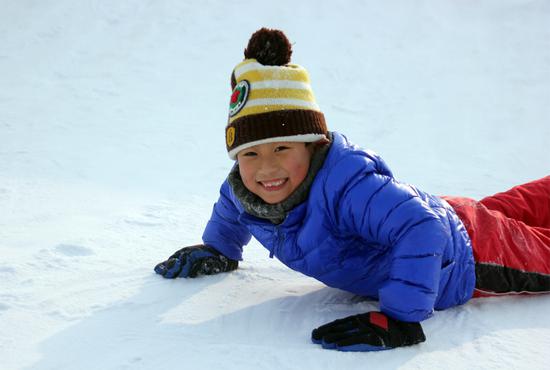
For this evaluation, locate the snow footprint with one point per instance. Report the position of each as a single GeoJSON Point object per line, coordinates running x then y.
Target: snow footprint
{"type": "Point", "coordinates": [4, 307]}
{"type": "Point", "coordinates": [7, 270]}
{"type": "Point", "coordinates": [72, 250]}
{"type": "Point", "coordinates": [147, 219]}
{"type": "Point", "coordinates": [6, 302]}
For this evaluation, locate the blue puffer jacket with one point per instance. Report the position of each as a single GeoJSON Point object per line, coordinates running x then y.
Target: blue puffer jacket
{"type": "Point", "coordinates": [362, 231]}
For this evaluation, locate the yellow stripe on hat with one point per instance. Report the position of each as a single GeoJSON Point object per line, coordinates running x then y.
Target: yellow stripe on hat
{"type": "Point", "coordinates": [306, 95]}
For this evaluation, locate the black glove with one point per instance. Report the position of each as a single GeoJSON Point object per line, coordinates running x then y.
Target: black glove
{"type": "Point", "coordinates": [371, 331]}
{"type": "Point", "coordinates": [195, 260]}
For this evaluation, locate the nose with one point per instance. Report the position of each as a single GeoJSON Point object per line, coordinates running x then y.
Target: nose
{"type": "Point", "coordinates": [268, 167]}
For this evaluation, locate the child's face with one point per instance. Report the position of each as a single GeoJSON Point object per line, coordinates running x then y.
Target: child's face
{"type": "Point", "coordinates": [273, 171]}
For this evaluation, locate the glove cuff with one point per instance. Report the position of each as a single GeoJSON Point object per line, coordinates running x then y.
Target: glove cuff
{"type": "Point", "coordinates": [401, 333]}
{"type": "Point", "coordinates": [229, 264]}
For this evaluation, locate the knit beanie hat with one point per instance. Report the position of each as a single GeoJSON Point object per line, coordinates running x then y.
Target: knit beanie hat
{"type": "Point", "coordinates": [271, 100]}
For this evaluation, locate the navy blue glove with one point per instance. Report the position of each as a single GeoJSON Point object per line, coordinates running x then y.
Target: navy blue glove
{"type": "Point", "coordinates": [371, 331]}
{"type": "Point", "coordinates": [194, 261]}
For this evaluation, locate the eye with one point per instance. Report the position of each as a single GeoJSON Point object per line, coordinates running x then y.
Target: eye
{"type": "Point", "coordinates": [281, 148]}
{"type": "Point", "coordinates": [250, 154]}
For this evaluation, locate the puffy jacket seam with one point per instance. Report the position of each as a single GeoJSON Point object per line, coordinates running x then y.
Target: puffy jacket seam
{"type": "Point", "coordinates": [421, 287]}
{"type": "Point", "coordinates": [424, 220]}
{"type": "Point", "coordinates": [400, 230]}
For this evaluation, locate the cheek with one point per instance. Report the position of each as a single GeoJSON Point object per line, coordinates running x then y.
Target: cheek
{"type": "Point", "coordinates": [299, 170]}
{"type": "Point", "coordinates": [247, 175]}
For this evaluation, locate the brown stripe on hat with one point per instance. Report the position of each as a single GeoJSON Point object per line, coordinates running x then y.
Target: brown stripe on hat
{"type": "Point", "coordinates": [284, 123]}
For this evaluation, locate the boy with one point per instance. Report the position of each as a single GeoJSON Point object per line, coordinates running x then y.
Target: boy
{"type": "Point", "coordinates": [334, 212]}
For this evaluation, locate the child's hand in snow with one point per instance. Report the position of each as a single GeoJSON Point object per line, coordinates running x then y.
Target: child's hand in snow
{"type": "Point", "coordinates": [194, 261]}
{"type": "Point", "coordinates": [371, 331]}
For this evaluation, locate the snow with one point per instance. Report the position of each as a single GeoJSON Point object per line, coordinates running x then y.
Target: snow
{"type": "Point", "coordinates": [112, 153]}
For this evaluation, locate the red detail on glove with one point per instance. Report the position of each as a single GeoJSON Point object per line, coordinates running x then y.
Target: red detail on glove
{"type": "Point", "coordinates": [379, 319]}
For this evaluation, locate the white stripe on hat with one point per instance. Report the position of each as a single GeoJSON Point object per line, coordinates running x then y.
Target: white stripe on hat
{"type": "Point", "coordinates": [295, 102]}
{"type": "Point", "coordinates": [280, 84]}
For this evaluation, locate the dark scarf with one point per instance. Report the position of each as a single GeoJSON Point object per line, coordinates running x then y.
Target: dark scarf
{"type": "Point", "coordinates": [276, 213]}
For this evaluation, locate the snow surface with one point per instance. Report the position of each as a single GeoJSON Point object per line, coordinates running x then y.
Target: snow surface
{"type": "Point", "coordinates": [112, 153]}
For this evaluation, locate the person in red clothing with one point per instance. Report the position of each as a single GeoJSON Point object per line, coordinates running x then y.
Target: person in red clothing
{"type": "Point", "coordinates": [510, 233]}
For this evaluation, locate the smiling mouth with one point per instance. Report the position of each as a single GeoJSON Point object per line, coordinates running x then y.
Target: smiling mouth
{"type": "Point", "coordinates": [273, 185]}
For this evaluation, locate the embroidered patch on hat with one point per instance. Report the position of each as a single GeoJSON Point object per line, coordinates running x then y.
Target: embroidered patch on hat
{"type": "Point", "coordinates": [230, 136]}
{"type": "Point", "coordinates": [239, 97]}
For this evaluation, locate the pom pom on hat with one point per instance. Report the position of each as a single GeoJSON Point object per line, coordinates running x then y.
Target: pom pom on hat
{"type": "Point", "coordinates": [271, 99]}
{"type": "Point", "coordinates": [269, 47]}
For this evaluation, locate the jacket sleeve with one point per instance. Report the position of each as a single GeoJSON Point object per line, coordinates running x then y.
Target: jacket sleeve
{"type": "Point", "coordinates": [223, 231]}
{"type": "Point", "coordinates": [394, 216]}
